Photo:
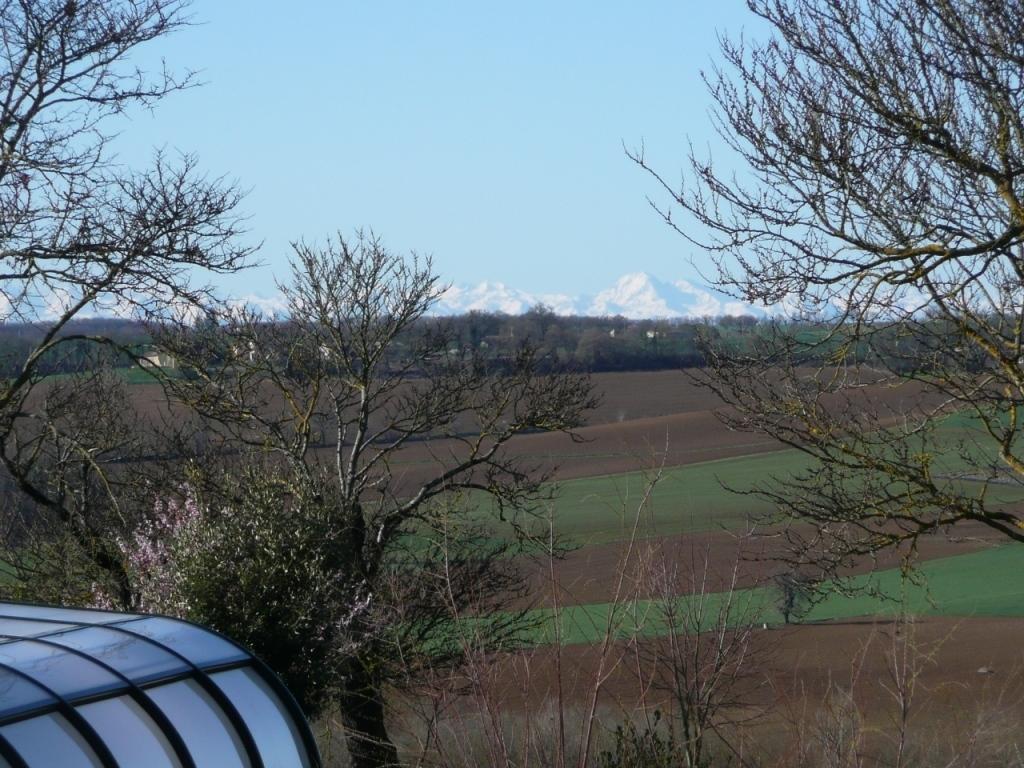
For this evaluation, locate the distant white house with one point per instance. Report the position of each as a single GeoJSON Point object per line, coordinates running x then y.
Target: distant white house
{"type": "Point", "coordinates": [154, 357]}
{"type": "Point", "coordinates": [248, 351]}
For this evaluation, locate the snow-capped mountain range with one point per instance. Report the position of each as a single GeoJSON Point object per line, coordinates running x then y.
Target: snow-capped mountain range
{"type": "Point", "coordinates": [637, 296]}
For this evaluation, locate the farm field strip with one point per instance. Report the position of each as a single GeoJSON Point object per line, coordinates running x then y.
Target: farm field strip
{"type": "Point", "coordinates": [697, 497]}
{"type": "Point", "coordinates": [979, 584]}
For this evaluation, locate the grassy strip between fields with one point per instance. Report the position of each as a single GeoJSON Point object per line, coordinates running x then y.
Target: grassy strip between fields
{"type": "Point", "coordinates": [985, 583]}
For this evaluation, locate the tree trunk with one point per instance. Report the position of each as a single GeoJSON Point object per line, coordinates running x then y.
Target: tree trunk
{"type": "Point", "coordinates": [361, 708]}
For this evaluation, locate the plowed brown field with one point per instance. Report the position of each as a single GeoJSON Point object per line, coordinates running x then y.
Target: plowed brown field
{"type": "Point", "coordinates": [965, 667]}
{"type": "Point", "coordinates": [584, 574]}
{"type": "Point", "coordinates": [643, 417]}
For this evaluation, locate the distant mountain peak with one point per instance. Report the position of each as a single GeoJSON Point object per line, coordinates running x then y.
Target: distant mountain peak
{"type": "Point", "coordinates": [636, 295]}
{"type": "Point", "coordinates": [498, 297]}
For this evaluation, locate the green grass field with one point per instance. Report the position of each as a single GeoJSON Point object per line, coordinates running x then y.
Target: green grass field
{"type": "Point", "coordinates": [695, 497]}
{"type": "Point", "coordinates": [985, 583]}
{"type": "Point", "coordinates": [686, 499]}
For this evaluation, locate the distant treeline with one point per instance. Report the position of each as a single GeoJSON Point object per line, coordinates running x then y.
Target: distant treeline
{"type": "Point", "coordinates": [621, 344]}
{"type": "Point", "coordinates": [78, 352]}
{"type": "Point", "coordinates": [589, 343]}
{"type": "Point", "coordinates": [586, 343]}
{"type": "Point", "coordinates": [595, 343]}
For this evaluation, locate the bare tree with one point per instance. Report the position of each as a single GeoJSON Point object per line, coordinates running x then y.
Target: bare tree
{"type": "Point", "coordinates": [710, 660]}
{"type": "Point", "coordinates": [794, 593]}
{"type": "Point", "coordinates": [379, 420]}
{"type": "Point", "coordinates": [882, 148]}
{"type": "Point", "coordinates": [79, 233]}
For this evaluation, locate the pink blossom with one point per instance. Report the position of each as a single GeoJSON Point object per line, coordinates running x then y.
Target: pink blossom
{"type": "Point", "coordinates": [150, 553]}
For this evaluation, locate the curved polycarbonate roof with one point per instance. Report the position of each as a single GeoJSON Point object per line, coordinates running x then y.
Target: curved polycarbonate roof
{"type": "Point", "coordinates": [99, 689]}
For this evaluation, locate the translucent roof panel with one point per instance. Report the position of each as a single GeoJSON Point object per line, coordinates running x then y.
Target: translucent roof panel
{"type": "Point", "coordinates": [212, 741]}
{"type": "Point", "coordinates": [63, 672]}
{"type": "Point", "coordinates": [30, 627]}
{"type": "Point", "coordinates": [129, 732]}
{"type": "Point", "coordinates": [135, 657]}
{"type": "Point", "coordinates": [82, 688]}
{"type": "Point", "coordinates": [20, 695]}
{"type": "Point", "coordinates": [201, 647]}
{"type": "Point", "coordinates": [277, 738]}
{"type": "Point", "coordinates": [50, 740]}
{"type": "Point", "coordinates": [53, 613]}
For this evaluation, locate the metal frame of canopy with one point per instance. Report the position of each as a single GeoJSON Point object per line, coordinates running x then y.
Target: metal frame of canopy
{"type": "Point", "coordinates": [57, 655]}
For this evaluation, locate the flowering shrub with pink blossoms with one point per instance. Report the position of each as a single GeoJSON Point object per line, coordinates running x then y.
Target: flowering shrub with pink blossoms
{"type": "Point", "coordinates": [151, 555]}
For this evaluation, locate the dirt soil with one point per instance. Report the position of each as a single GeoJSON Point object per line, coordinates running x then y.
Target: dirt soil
{"type": "Point", "coordinates": [586, 575]}
{"type": "Point", "coordinates": [962, 661]}
{"type": "Point", "coordinates": [664, 418]}
{"type": "Point", "coordinates": [963, 667]}
{"type": "Point", "coordinates": [643, 418]}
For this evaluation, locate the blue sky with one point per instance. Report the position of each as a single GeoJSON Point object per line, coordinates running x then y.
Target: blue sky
{"type": "Point", "coordinates": [487, 135]}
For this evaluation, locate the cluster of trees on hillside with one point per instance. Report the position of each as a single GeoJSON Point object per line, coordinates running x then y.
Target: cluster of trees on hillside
{"type": "Point", "coordinates": [592, 344]}
{"type": "Point", "coordinates": [884, 192]}
{"type": "Point", "coordinates": [597, 343]}
{"type": "Point", "coordinates": [587, 343]}
{"type": "Point", "coordinates": [77, 351]}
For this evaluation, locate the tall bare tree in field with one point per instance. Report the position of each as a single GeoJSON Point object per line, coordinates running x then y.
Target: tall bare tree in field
{"type": "Point", "coordinates": [81, 233]}
{"type": "Point", "coordinates": [386, 444]}
{"type": "Point", "coordinates": [878, 186]}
